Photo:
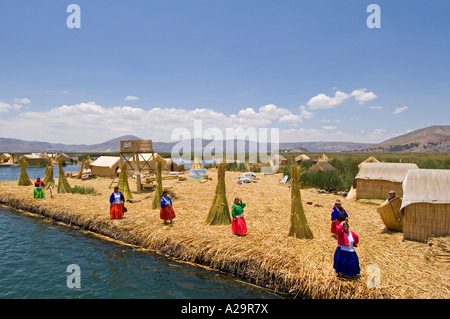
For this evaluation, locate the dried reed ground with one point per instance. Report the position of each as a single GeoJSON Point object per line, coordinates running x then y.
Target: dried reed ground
{"type": "Point", "coordinates": [266, 256]}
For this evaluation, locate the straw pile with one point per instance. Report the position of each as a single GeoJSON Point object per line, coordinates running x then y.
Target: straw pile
{"type": "Point", "coordinates": [266, 256]}
{"type": "Point", "coordinates": [24, 179]}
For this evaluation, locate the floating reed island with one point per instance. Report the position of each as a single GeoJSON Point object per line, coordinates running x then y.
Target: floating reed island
{"type": "Point", "coordinates": [267, 256]}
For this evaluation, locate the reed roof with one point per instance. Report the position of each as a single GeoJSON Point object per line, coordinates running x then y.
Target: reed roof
{"type": "Point", "coordinates": [426, 186]}
{"type": "Point", "coordinates": [393, 172]}
{"type": "Point", "coordinates": [106, 161]}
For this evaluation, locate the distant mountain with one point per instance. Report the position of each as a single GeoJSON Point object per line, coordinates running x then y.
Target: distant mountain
{"type": "Point", "coordinates": [430, 139]}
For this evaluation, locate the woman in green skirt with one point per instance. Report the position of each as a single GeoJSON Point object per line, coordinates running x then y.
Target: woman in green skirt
{"type": "Point", "coordinates": [39, 188]}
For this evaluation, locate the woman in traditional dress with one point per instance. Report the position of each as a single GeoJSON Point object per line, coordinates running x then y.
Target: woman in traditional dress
{"type": "Point", "coordinates": [167, 212]}
{"type": "Point", "coordinates": [117, 201]}
{"type": "Point", "coordinates": [238, 225]}
{"type": "Point", "coordinates": [39, 188]}
{"type": "Point", "coordinates": [338, 215]}
{"type": "Point", "coordinates": [346, 260]}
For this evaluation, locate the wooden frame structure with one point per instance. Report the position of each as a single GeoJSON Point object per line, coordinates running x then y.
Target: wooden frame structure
{"type": "Point", "coordinates": [134, 149]}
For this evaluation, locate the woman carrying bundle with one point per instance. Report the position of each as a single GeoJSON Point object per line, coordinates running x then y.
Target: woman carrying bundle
{"type": "Point", "coordinates": [346, 261]}
{"type": "Point", "coordinates": [39, 188]}
{"type": "Point", "coordinates": [238, 225]}
{"type": "Point", "coordinates": [116, 201]}
{"type": "Point", "coordinates": [167, 212]}
{"type": "Point", "coordinates": [338, 215]}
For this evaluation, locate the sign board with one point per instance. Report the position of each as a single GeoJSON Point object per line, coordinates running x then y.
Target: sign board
{"type": "Point", "coordinates": [136, 146]}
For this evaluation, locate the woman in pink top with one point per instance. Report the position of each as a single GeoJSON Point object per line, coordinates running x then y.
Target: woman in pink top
{"type": "Point", "coordinates": [346, 261]}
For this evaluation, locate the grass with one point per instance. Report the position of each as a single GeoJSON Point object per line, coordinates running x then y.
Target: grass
{"type": "Point", "coordinates": [83, 190]}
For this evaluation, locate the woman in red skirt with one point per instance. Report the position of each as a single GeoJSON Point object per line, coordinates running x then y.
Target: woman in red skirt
{"type": "Point", "coordinates": [116, 201]}
{"type": "Point", "coordinates": [166, 213]}
{"type": "Point", "coordinates": [238, 226]}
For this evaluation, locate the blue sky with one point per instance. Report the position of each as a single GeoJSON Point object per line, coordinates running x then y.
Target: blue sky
{"type": "Point", "coordinates": [313, 69]}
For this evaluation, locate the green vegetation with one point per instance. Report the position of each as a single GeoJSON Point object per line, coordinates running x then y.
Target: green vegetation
{"type": "Point", "coordinates": [346, 165]}
{"type": "Point", "coordinates": [83, 190]}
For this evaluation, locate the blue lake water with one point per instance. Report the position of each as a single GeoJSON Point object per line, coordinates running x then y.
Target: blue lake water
{"type": "Point", "coordinates": [36, 254]}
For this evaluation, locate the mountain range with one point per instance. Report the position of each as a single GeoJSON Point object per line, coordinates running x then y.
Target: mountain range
{"type": "Point", "coordinates": [429, 139]}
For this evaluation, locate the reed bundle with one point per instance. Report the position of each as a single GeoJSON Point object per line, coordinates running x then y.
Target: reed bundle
{"type": "Point", "coordinates": [63, 184]}
{"type": "Point", "coordinates": [48, 176]}
{"type": "Point", "coordinates": [156, 203]}
{"type": "Point", "coordinates": [299, 225]}
{"type": "Point", "coordinates": [123, 182]}
{"type": "Point", "coordinates": [24, 179]}
{"type": "Point", "coordinates": [219, 213]}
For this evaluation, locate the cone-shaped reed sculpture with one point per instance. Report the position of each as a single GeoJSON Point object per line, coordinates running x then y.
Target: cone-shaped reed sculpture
{"type": "Point", "coordinates": [24, 179]}
{"type": "Point", "coordinates": [63, 184]}
{"type": "Point", "coordinates": [219, 214]}
{"type": "Point", "coordinates": [156, 204]}
{"type": "Point", "coordinates": [123, 182]}
{"type": "Point", "coordinates": [299, 225]}
{"type": "Point", "coordinates": [48, 177]}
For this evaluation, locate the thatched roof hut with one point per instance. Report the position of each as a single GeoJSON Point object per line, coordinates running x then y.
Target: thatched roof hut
{"type": "Point", "coordinates": [105, 166]}
{"type": "Point", "coordinates": [426, 204]}
{"type": "Point", "coordinates": [370, 159]}
{"type": "Point", "coordinates": [196, 164]}
{"type": "Point", "coordinates": [278, 159]}
{"type": "Point", "coordinates": [322, 166]}
{"type": "Point", "coordinates": [4, 158]}
{"type": "Point", "coordinates": [324, 158]}
{"type": "Point", "coordinates": [375, 180]}
{"type": "Point", "coordinates": [302, 158]}
{"type": "Point", "coordinates": [171, 166]}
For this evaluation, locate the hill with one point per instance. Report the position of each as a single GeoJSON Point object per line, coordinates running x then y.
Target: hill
{"type": "Point", "coordinates": [430, 139]}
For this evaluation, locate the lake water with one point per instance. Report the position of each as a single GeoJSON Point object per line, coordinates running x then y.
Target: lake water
{"type": "Point", "coordinates": [36, 254]}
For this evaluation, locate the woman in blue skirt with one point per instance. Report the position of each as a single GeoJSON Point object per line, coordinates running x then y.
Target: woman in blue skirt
{"type": "Point", "coordinates": [346, 261]}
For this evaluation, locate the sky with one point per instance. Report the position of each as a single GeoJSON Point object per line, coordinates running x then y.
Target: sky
{"type": "Point", "coordinates": [314, 70]}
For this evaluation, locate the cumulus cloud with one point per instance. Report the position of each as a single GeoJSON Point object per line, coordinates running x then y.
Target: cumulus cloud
{"type": "Point", "coordinates": [400, 109]}
{"type": "Point", "coordinates": [131, 98]}
{"type": "Point", "coordinates": [362, 96]}
{"type": "Point", "coordinates": [90, 123]}
{"type": "Point", "coordinates": [322, 101]}
{"type": "Point", "coordinates": [23, 100]}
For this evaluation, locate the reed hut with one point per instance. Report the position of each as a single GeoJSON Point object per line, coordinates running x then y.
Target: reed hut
{"type": "Point", "coordinates": [375, 180]}
{"type": "Point", "coordinates": [323, 166]}
{"type": "Point", "coordinates": [5, 158]}
{"type": "Point", "coordinates": [277, 160]}
{"type": "Point", "coordinates": [370, 159]}
{"type": "Point", "coordinates": [171, 166]}
{"type": "Point", "coordinates": [425, 208]}
{"type": "Point", "coordinates": [196, 164]}
{"type": "Point", "coordinates": [105, 166]}
{"type": "Point", "coordinates": [302, 158]}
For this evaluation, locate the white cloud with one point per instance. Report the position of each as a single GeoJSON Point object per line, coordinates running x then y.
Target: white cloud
{"type": "Point", "coordinates": [304, 113]}
{"type": "Point", "coordinates": [131, 98]}
{"type": "Point", "coordinates": [4, 107]}
{"type": "Point", "coordinates": [322, 101]}
{"type": "Point", "coordinates": [362, 96]}
{"type": "Point", "coordinates": [23, 100]}
{"type": "Point", "coordinates": [400, 109]}
{"type": "Point", "coordinates": [329, 127]}
{"type": "Point", "coordinates": [376, 107]}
